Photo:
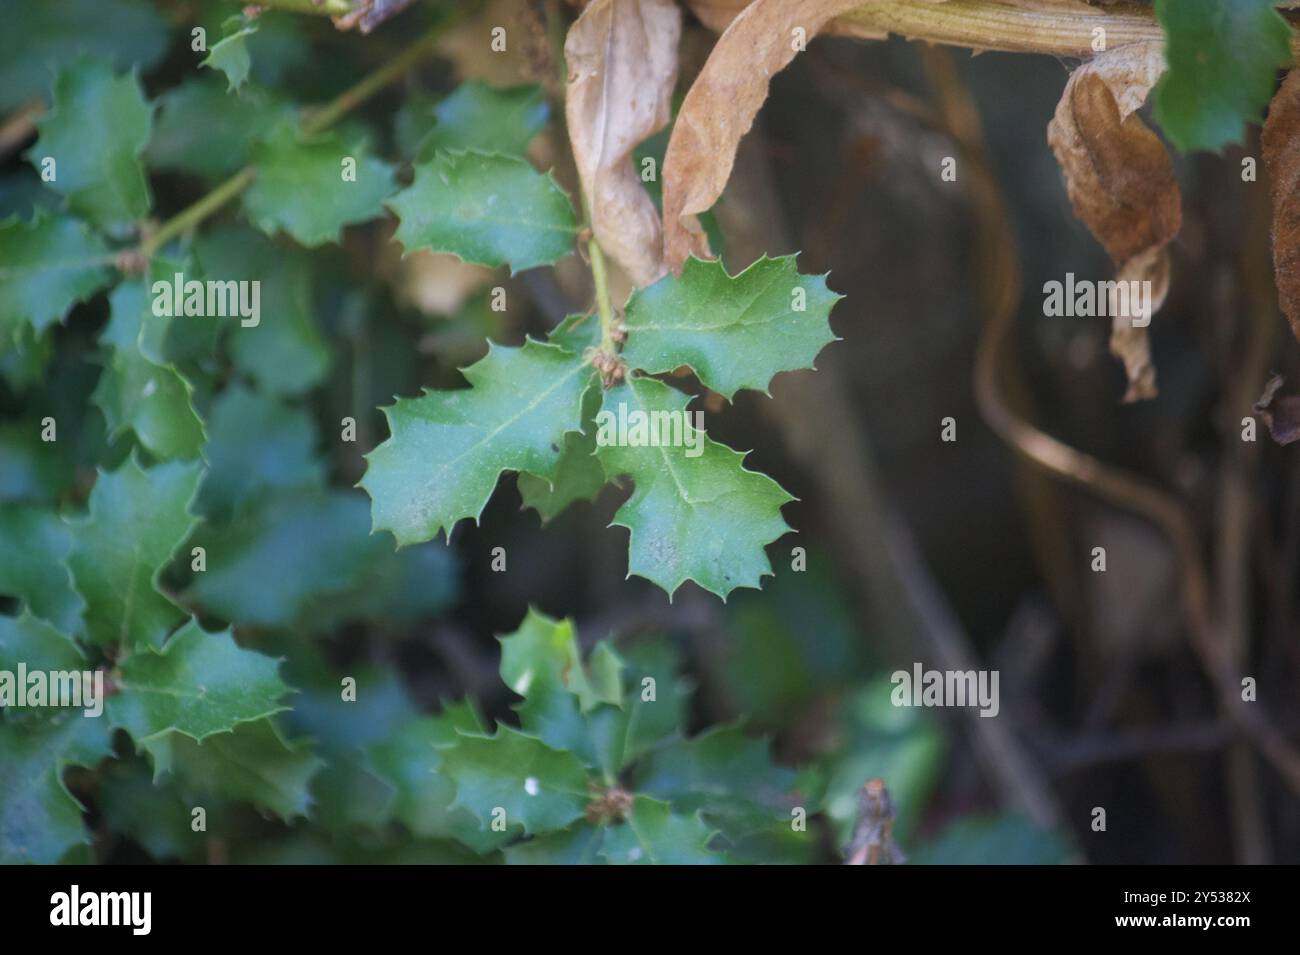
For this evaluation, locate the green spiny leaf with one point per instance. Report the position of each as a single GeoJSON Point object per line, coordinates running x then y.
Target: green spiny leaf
{"type": "Point", "coordinates": [448, 448]}
{"type": "Point", "coordinates": [137, 519]}
{"type": "Point", "coordinates": [252, 763]}
{"type": "Point", "coordinates": [410, 760]}
{"type": "Point", "coordinates": [230, 53]}
{"type": "Point", "coordinates": [135, 394]}
{"type": "Point", "coordinates": [1223, 57]}
{"type": "Point", "coordinates": [486, 208]}
{"type": "Point", "coordinates": [542, 662]}
{"type": "Point", "coordinates": [96, 131]}
{"type": "Point", "coordinates": [733, 332]}
{"type": "Point", "coordinates": [578, 476]}
{"type": "Point", "coordinates": [47, 266]}
{"type": "Point", "coordinates": [38, 645]}
{"type": "Point", "coordinates": [237, 122]}
{"type": "Point", "coordinates": [38, 36]}
{"type": "Point", "coordinates": [474, 116]}
{"type": "Point", "coordinates": [540, 788]}
{"type": "Point", "coordinates": [199, 684]}
{"type": "Point", "coordinates": [34, 542]}
{"type": "Point", "coordinates": [40, 819]}
{"type": "Point", "coordinates": [700, 517]}
{"type": "Point", "coordinates": [300, 186]}
{"type": "Point", "coordinates": [653, 834]}
{"type": "Point", "coordinates": [652, 721]}
{"type": "Point", "coordinates": [327, 566]}
{"type": "Point", "coordinates": [244, 461]}
{"type": "Point", "coordinates": [284, 353]}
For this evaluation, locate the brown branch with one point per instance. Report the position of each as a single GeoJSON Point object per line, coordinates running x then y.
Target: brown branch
{"type": "Point", "coordinates": [873, 830]}
{"type": "Point", "coordinates": [1053, 27]}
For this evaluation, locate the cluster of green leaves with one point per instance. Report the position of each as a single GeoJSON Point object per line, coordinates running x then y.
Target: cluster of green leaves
{"type": "Point", "coordinates": [188, 532]}
{"type": "Point", "coordinates": [692, 516]}
{"type": "Point", "coordinates": [1223, 58]}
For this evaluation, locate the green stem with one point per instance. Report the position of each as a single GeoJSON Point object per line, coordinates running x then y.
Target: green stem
{"type": "Point", "coordinates": [349, 99]}
{"type": "Point", "coordinates": [332, 8]}
{"type": "Point", "coordinates": [317, 122]}
{"type": "Point", "coordinates": [600, 279]}
{"type": "Point", "coordinates": [188, 218]}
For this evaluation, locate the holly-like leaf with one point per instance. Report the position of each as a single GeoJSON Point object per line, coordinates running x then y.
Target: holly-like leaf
{"type": "Point", "coordinates": [486, 208]}
{"type": "Point", "coordinates": [541, 789]}
{"type": "Point", "coordinates": [95, 132]}
{"type": "Point", "coordinates": [244, 463]}
{"type": "Point", "coordinates": [327, 566]}
{"type": "Point", "coordinates": [311, 187]}
{"type": "Point", "coordinates": [135, 394]}
{"type": "Point", "coordinates": [730, 779]}
{"type": "Point", "coordinates": [1223, 59]}
{"type": "Point", "coordinates": [284, 352]}
{"type": "Point", "coordinates": [237, 122]}
{"type": "Point", "coordinates": [696, 513]}
{"type": "Point", "coordinates": [578, 476]}
{"type": "Point", "coordinates": [198, 684]}
{"type": "Point", "coordinates": [448, 448]}
{"type": "Point", "coordinates": [152, 813]}
{"type": "Point", "coordinates": [652, 834]}
{"type": "Point", "coordinates": [136, 520]}
{"type": "Point", "coordinates": [34, 542]}
{"type": "Point", "coordinates": [40, 819]}
{"type": "Point", "coordinates": [39, 36]}
{"type": "Point", "coordinates": [38, 645]}
{"type": "Point", "coordinates": [230, 53]}
{"type": "Point", "coordinates": [410, 760]}
{"type": "Point", "coordinates": [733, 332]}
{"type": "Point", "coordinates": [47, 266]}
{"type": "Point", "coordinates": [474, 116]}
{"type": "Point", "coordinates": [663, 715]}
{"type": "Point", "coordinates": [542, 662]}
{"type": "Point", "coordinates": [576, 333]}
{"type": "Point", "coordinates": [252, 763]}
{"type": "Point", "coordinates": [579, 845]}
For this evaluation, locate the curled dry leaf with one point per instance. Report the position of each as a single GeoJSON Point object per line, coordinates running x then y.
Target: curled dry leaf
{"type": "Point", "coordinates": [1281, 141]}
{"type": "Point", "coordinates": [1120, 179]}
{"type": "Point", "coordinates": [1280, 415]}
{"type": "Point", "coordinates": [721, 106]}
{"type": "Point", "coordinates": [622, 60]}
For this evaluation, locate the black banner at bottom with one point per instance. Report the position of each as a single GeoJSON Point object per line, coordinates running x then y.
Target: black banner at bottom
{"type": "Point", "coordinates": [322, 905]}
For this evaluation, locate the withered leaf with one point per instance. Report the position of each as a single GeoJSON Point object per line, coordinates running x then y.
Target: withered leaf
{"type": "Point", "coordinates": [1280, 415]}
{"type": "Point", "coordinates": [1281, 141]}
{"type": "Point", "coordinates": [622, 60]}
{"type": "Point", "coordinates": [721, 106]}
{"type": "Point", "coordinates": [1120, 180]}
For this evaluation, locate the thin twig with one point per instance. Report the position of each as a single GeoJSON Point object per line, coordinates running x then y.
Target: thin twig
{"type": "Point", "coordinates": [315, 122]}
{"type": "Point", "coordinates": [327, 8]}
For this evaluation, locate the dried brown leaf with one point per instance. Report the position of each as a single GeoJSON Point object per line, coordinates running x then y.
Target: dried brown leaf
{"type": "Point", "coordinates": [1120, 180]}
{"type": "Point", "coordinates": [622, 60]}
{"type": "Point", "coordinates": [1281, 141]}
{"type": "Point", "coordinates": [721, 106]}
{"type": "Point", "coordinates": [1280, 415]}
